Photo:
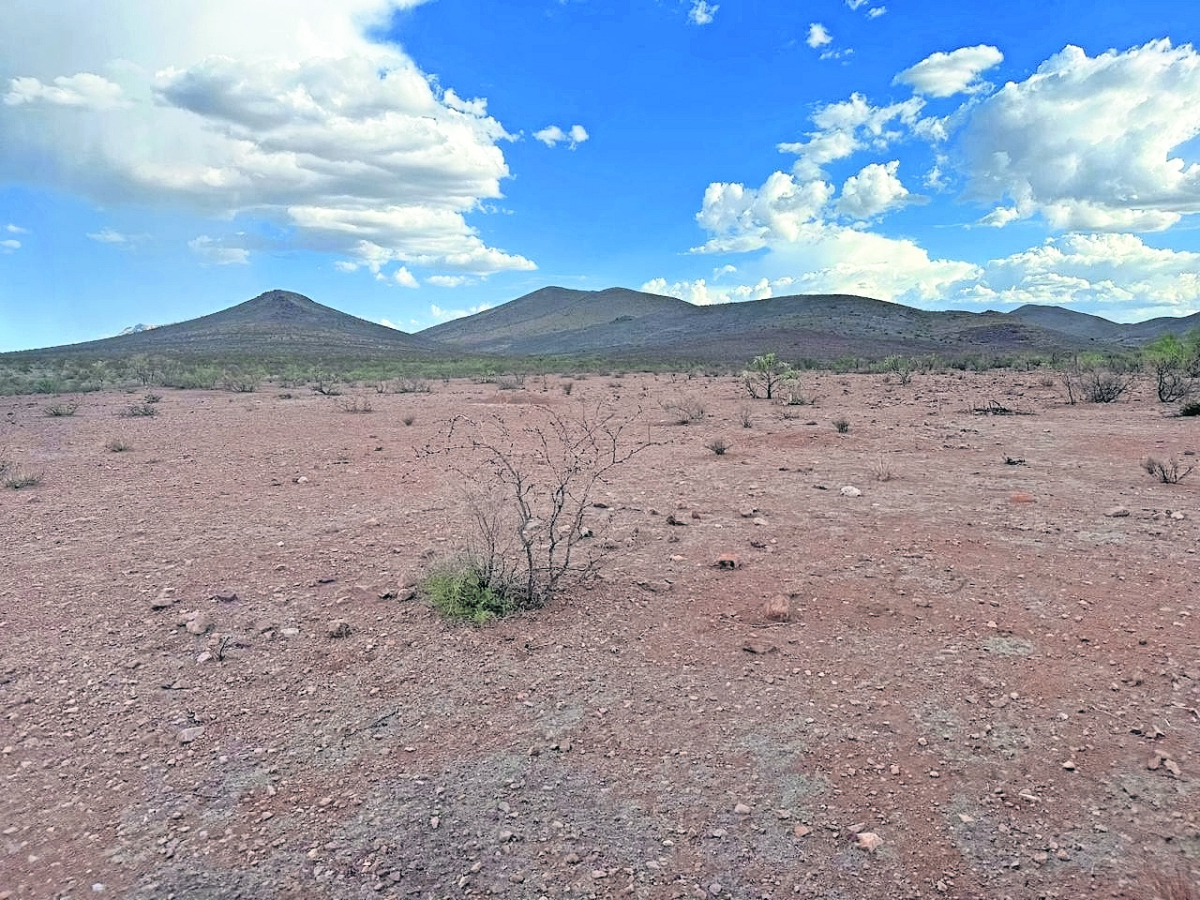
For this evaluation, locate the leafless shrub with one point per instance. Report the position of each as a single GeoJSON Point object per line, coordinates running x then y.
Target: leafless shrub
{"type": "Point", "coordinates": [357, 405]}
{"type": "Point", "coordinates": [14, 477]}
{"type": "Point", "coordinates": [117, 446]}
{"type": "Point", "coordinates": [882, 471]}
{"type": "Point", "coordinates": [1172, 471]}
{"type": "Point", "coordinates": [58, 410]}
{"type": "Point", "coordinates": [744, 417]}
{"type": "Point", "coordinates": [510, 382]}
{"type": "Point", "coordinates": [841, 426]}
{"type": "Point", "coordinates": [408, 419]}
{"type": "Point", "coordinates": [685, 410]}
{"type": "Point", "coordinates": [718, 446]}
{"type": "Point", "coordinates": [567, 387]}
{"type": "Point", "coordinates": [529, 491]}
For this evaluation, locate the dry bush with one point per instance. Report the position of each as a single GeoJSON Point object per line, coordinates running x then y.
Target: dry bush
{"type": "Point", "coordinates": [1172, 471]}
{"type": "Point", "coordinates": [685, 410]}
{"type": "Point", "coordinates": [529, 489]}
{"type": "Point", "coordinates": [718, 446]}
{"type": "Point", "coordinates": [357, 405]}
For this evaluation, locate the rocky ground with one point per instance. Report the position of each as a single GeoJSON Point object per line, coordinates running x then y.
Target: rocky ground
{"type": "Point", "coordinates": [215, 681]}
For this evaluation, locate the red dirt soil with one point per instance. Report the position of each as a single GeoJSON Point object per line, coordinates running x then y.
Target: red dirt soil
{"type": "Point", "coordinates": [980, 667]}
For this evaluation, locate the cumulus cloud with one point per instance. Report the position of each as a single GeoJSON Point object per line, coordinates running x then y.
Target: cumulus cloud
{"type": "Point", "coordinates": [947, 74]}
{"type": "Point", "coordinates": [445, 315]}
{"type": "Point", "coordinates": [1091, 143]}
{"type": "Point", "coordinates": [700, 293]}
{"type": "Point", "coordinates": [292, 117]}
{"type": "Point", "coordinates": [846, 127]}
{"type": "Point", "coordinates": [405, 278]}
{"type": "Point", "coordinates": [818, 36]}
{"type": "Point", "coordinates": [82, 89]}
{"type": "Point", "coordinates": [857, 4]}
{"type": "Point", "coordinates": [702, 12]}
{"type": "Point", "coordinates": [738, 218]}
{"type": "Point", "coordinates": [213, 250]}
{"type": "Point", "coordinates": [15, 229]}
{"type": "Point", "coordinates": [552, 135]}
{"type": "Point", "coordinates": [9, 245]}
{"type": "Point", "coordinates": [876, 11]}
{"type": "Point", "coordinates": [876, 189]}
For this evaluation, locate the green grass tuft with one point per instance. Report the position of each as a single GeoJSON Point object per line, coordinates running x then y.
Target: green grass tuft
{"type": "Point", "coordinates": [462, 590]}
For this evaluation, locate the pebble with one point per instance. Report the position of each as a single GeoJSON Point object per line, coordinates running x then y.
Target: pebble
{"type": "Point", "coordinates": [1117, 512]}
{"type": "Point", "coordinates": [850, 490]}
{"type": "Point", "coordinates": [199, 624]}
{"type": "Point", "coordinates": [869, 841]}
{"type": "Point", "coordinates": [728, 561]}
{"type": "Point", "coordinates": [742, 809]}
{"type": "Point", "coordinates": [338, 628]}
{"type": "Point", "coordinates": [778, 608]}
{"type": "Point", "coordinates": [187, 735]}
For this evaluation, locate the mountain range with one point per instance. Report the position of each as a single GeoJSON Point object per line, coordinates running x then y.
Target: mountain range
{"type": "Point", "coordinates": [632, 326]}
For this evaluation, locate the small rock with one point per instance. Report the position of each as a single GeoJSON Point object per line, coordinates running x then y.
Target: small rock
{"type": "Point", "coordinates": [1117, 512]}
{"type": "Point", "coordinates": [1069, 765]}
{"type": "Point", "coordinates": [778, 608]}
{"type": "Point", "coordinates": [869, 841]}
{"type": "Point", "coordinates": [338, 628]}
{"type": "Point", "coordinates": [434, 821]}
{"type": "Point", "coordinates": [163, 600]}
{"type": "Point", "coordinates": [742, 810]}
{"type": "Point", "coordinates": [801, 831]}
{"type": "Point", "coordinates": [718, 832]}
{"type": "Point", "coordinates": [303, 479]}
{"type": "Point", "coordinates": [204, 657]}
{"type": "Point", "coordinates": [199, 624]}
{"type": "Point", "coordinates": [747, 512]}
{"type": "Point", "coordinates": [571, 859]}
{"type": "Point", "coordinates": [291, 631]}
{"type": "Point", "coordinates": [850, 491]}
{"type": "Point", "coordinates": [758, 520]}
{"type": "Point", "coordinates": [758, 647]}
{"type": "Point", "coordinates": [187, 735]}
{"type": "Point", "coordinates": [224, 597]}
{"type": "Point", "coordinates": [715, 888]}
{"type": "Point", "coordinates": [728, 561]}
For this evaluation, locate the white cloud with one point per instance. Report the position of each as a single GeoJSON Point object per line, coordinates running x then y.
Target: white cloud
{"type": "Point", "coordinates": [108, 236]}
{"type": "Point", "coordinates": [856, 4]}
{"type": "Point", "coordinates": [83, 89]}
{"type": "Point", "coordinates": [957, 72]}
{"type": "Point", "coordinates": [818, 35]}
{"type": "Point", "coordinates": [552, 134]}
{"type": "Point", "coordinates": [445, 315]}
{"type": "Point", "coordinates": [405, 278]}
{"type": "Point", "coordinates": [292, 117]}
{"type": "Point", "coordinates": [848, 126]}
{"type": "Point", "coordinates": [8, 245]}
{"type": "Point", "coordinates": [15, 229]}
{"type": "Point", "coordinates": [702, 12]}
{"type": "Point", "coordinates": [873, 191]}
{"type": "Point", "coordinates": [387, 323]}
{"type": "Point", "coordinates": [701, 293]}
{"type": "Point", "coordinates": [450, 281]}
{"type": "Point", "coordinates": [876, 11]}
{"type": "Point", "coordinates": [1090, 143]}
{"type": "Point", "coordinates": [217, 253]}
{"type": "Point", "coordinates": [738, 218]}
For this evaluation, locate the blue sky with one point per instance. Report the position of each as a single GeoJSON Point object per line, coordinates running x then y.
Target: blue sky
{"type": "Point", "coordinates": [413, 160]}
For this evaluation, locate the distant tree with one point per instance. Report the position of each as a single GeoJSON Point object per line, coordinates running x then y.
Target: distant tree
{"type": "Point", "coordinates": [1175, 365]}
{"type": "Point", "coordinates": [766, 374]}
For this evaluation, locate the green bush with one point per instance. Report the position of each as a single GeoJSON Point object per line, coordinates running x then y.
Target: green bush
{"type": "Point", "coordinates": [1191, 408]}
{"type": "Point", "coordinates": [465, 590]}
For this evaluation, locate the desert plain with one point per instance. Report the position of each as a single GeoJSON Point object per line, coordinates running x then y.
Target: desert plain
{"type": "Point", "coordinates": [218, 681]}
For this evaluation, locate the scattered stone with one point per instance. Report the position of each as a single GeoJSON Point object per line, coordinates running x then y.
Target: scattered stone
{"type": "Point", "coordinates": [199, 624]}
{"type": "Point", "coordinates": [718, 832]}
{"type": "Point", "coordinates": [758, 520]}
{"type": "Point", "coordinates": [224, 597]}
{"type": "Point", "coordinates": [742, 810]}
{"type": "Point", "coordinates": [671, 520]}
{"type": "Point", "coordinates": [338, 628]}
{"type": "Point", "coordinates": [850, 490]}
{"type": "Point", "coordinates": [778, 608]}
{"type": "Point", "coordinates": [204, 657]}
{"type": "Point", "coordinates": [164, 600]}
{"type": "Point", "coordinates": [289, 632]}
{"type": "Point", "coordinates": [748, 512]}
{"type": "Point", "coordinates": [302, 479]}
{"type": "Point", "coordinates": [1021, 497]}
{"type": "Point", "coordinates": [869, 841]}
{"type": "Point", "coordinates": [965, 819]}
{"type": "Point", "coordinates": [187, 735]}
{"type": "Point", "coordinates": [728, 561]}
{"type": "Point", "coordinates": [1117, 512]}
{"type": "Point", "coordinates": [759, 647]}
{"type": "Point", "coordinates": [1069, 765]}
{"type": "Point", "coordinates": [801, 831]}
{"type": "Point", "coordinates": [715, 888]}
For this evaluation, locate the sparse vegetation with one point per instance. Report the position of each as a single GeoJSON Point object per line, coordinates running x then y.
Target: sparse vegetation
{"type": "Point", "coordinates": [152, 398]}
{"type": "Point", "coordinates": [685, 410]}
{"type": "Point", "coordinates": [465, 589]}
{"type": "Point", "coordinates": [408, 418]}
{"type": "Point", "coordinates": [117, 445]}
{"type": "Point", "coordinates": [139, 411]}
{"type": "Point", "coordinates": [528, 507]}
{"type": "Point", "coordinates": [58, 410]}
{"type": "Point", "coordinates": [1097, 380]}
{"type": "Point", "coordinates": [14, 477]}
{"type": "Point", "coordinates": [745, 418]}
{"type": "Point", "coordinates": [326, 386]}
{"type": "Point", "coordinates": [765, 376]}
{"type": "Point", "coordinates": [1191, 408]}
{"type": "Point", "coordinates": [882, 470]}
{"type": "Point", "coordinates": [1170, 471]}
{"type": "Point", "coordinates": [567, 387]}
{"type": "Point", "coordinates": [841, 426]}
{"type": "Point", "coordinates": [718, 446]}
{"type": "Point", "coordinates": [901, 367]}
{"type": "Point", "coordinates": [510, 382]}
{"type": "Point", "coordinates": [1175, 365]}
{"type": "Point", "coordinates": [357, 405]}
